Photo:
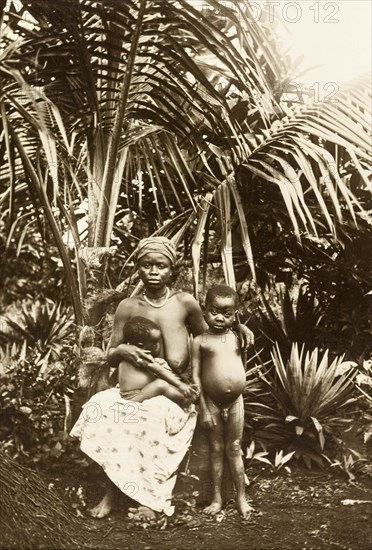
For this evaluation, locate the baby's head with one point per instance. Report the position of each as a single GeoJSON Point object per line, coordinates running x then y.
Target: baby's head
{"type": "Point", "coordinates": [143, 333]}
{"type": "Point", "coordinates": [221, 305]}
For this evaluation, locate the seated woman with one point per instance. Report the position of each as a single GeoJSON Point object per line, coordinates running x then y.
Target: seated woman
{"type": "Point", "coordinates": [141, 445]}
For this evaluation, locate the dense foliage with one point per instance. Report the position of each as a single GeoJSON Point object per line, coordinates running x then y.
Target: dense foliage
{"type": "Point", "coordinates": [125, 118]}
{"type": "Point", "coordinates": [38, 378]}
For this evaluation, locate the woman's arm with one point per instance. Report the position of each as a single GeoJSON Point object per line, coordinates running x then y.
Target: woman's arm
{"type": "Point", "coordinates": [246, 336]}
{"type": "Point", "coordinates": [207, 419]}
{"type": "Point", "coordinates": [194, 320]}
{"type": "Point", "coordinates": [138, 357]}
{"type": "Point", "coordinates": [196, 364]}
{"type": "Point", "coordinates": [117, 350]}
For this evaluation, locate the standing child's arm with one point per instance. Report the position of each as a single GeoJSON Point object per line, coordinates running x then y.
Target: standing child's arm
{"type": "Point", "coordinates": [207, 419]}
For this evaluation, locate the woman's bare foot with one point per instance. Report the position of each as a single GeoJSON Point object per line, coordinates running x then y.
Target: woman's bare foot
{"type": "Point", "coordinates": [213, 508]}
{"type": "Point", "coordinates": [244, 508]}
{"type": "Point", "coordinates": [142, 513]}
{"type": "Point", "coordinates": [104, 507]}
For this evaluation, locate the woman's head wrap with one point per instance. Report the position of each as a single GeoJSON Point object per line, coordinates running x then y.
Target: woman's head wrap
{"type": "Point", "coordinates": [158, 245]}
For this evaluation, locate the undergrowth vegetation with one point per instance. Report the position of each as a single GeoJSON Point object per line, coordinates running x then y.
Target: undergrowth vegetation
{"type": "Point", "coordinates": [270, 194]}
{"type": "Point", "coordinates": [303, 405]}
{"type": "Point", "coordinates": [300, 399]}
{"type": "Point", "coordinates": [38, 378]}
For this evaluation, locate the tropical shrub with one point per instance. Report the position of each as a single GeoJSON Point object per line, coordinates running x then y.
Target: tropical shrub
{"type": "Point", "coordinates": [363, 384]}
{"type": "Point", "coordinates": [294, 317]}
{"type": "Point", "coordinates": [279, 462]}
{"type": "Point", "coordinates": [352, 465]}
{"type": "Point", "coordinates": [33, 408]}
{"type": "Point", "coordinates": [43, 326]}
{"type": "Point", "coordinates": [30, 264]}
{"type": "Point", "coordinates": [37, 378]}
{"type": "Point", "coordinates": [302, 406]}
{"type": "Point", "coordinates": [338, 275]}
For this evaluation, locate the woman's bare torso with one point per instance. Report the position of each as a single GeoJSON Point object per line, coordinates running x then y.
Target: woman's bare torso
{"type": "Point", "coordinates": [171, 319]}
{"type": "Point", "coordinates": [222, 370]}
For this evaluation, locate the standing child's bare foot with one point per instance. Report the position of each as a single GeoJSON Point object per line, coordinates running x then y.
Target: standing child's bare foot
{"type": "Point", "coordinates": [213, 508]}
{"type": "Point", "coordinates": [244, 507]}
{"type": "Point", "coordinates": [104, 507]}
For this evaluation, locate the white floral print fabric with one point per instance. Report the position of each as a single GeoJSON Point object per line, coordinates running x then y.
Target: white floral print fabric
{"type": "Point", "coordinates": [139, 445]}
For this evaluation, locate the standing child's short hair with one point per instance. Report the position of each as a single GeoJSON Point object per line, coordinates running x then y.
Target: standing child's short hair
{"type": "Point", "coordinates": [137, 330]}
{"type": "Point", "coordinates": [221, 291]}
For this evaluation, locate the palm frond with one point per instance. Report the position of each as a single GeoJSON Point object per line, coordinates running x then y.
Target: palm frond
{"type": "Point", "coordinates": [148, 103]}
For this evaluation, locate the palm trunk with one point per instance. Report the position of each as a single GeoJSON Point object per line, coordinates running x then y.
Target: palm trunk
{"type": "Point", "coordinates": [102, 228]}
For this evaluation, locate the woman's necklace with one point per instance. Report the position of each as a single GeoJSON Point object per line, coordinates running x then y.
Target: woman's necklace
{"type": "Point", "coordinates": [157, 305]}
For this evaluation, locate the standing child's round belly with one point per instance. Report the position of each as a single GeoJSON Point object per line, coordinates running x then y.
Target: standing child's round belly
{"type": "Point", "coordinates": [223, 383]}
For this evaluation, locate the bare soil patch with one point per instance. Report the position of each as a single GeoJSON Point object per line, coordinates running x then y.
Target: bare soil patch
{"type": "Point", "coordinates": [304, 510]}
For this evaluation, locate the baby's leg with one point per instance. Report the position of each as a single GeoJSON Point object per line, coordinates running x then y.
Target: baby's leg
{"type": "Point", "coordinates": [233, 439]}
{"type": "Point", "coordinates": [152, 389]}
{"type": "Point", "coordinates": [175, 395]}
{"type": "Point", "coordinates": [216, 445]}
{"type": "Point", "coordinates": [160, 387]}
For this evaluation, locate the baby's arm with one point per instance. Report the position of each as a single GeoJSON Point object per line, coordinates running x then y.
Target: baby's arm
{"type": "Point", "coordinates": [196, 365]}
{"type": "Point", "coordinates": [160, 368]}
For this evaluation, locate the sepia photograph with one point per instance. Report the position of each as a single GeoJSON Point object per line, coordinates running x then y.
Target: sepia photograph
{"type": "Point", "coordinates": [185, 275]}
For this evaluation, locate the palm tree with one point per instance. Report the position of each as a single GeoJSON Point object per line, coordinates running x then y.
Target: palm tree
{"type": "Point", "coordinates": [170, 110]}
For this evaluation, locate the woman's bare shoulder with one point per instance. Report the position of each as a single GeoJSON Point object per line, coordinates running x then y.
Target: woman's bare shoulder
{"type": "Point", "coordinates": [128, 303]}
{"type": "Point", "coordinates": [192, 312]}
{"type": "Point", "coordinates": [186, 298]}
{"type": "Point", "coordinates": [128, 300]}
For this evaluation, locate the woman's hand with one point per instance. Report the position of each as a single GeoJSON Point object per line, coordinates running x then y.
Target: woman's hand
{"type": "Point", "coordinates": [138, 357]}
{"type": "Point", "coordinates": [246, 336]}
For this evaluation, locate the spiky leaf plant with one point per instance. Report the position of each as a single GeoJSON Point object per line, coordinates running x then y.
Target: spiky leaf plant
{"type": "Point", "coordinates": [45, 327]}
{"type": "Point", "coordinates": [304, 404]}
{"type": "Point", "coordinates": [295, 319]}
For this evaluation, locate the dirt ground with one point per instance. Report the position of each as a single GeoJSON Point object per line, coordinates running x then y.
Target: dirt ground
{"type": "Point", "coordinates": [301, 510]}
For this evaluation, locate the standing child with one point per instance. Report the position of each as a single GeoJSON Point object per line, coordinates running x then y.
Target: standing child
{"type": "Point", "coordinates": [218, 370]}
{"type": "Point", "coordinates": [138, 383]}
